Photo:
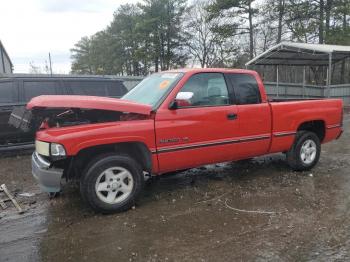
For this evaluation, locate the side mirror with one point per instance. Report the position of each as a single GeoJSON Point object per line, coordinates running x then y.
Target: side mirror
{"type": "Point", "coordinates": [182, 99]}
{"type": "Point", "coordinates": [173, 105]}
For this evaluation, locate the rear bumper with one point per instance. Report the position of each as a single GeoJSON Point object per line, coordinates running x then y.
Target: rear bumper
{"type": "Point", "coordinates": [49, 178]}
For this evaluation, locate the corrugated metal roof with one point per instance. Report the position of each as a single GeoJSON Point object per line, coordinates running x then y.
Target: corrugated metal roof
{"type": "Point", "coordinates": [289, 53]}
{"type": "Point", "coordinates": [319, 47]}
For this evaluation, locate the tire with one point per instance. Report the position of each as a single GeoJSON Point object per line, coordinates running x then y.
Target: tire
{"type": "Point", "coordinates": [305, 151]}
{"type": "Point", "coordinates": [112, 183]}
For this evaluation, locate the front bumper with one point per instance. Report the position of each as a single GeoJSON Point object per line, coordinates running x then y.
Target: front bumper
{"type": "Point", "coordinates": [49, 178]}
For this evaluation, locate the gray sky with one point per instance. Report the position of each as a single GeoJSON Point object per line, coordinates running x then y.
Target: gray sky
{"type": "Point", "coordinates": [30, 29]}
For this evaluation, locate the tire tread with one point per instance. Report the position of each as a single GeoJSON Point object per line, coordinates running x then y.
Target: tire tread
{"type": "Point", "coordinates": [293, 156]}
{"type": "Point", "coordinates": [95, 167]}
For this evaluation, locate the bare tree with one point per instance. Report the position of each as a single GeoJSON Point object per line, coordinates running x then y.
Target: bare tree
{"type": "Point", "coordinates": [201, 38]}
{"type": "Point", "coordinates": [205, 39]}
{"type": "Point", "coordinates": [34, 69]}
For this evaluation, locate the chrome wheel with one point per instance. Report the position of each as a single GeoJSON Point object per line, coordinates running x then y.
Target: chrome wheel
{"type": "Point", "coordinates": [308, 152]}
{"type": "Point", "coordinates": [114, 185]}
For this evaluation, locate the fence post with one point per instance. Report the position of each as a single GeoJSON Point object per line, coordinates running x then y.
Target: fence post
{"type": "Point", "coordinates": [329, 75]}
{"type": "Point", "coordinates": [277, 80]}
{"type": "Point", "coordinates": [303, 81]}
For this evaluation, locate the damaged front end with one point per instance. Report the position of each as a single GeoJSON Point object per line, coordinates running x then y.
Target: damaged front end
{"type": "Point", "coordinates": [43, 118]}
{"type": "Point", "coordinates": [48, 176]}
{"type": "Point", "coordinates": [50, 161]}
{"type": "Point", "coordinates": [60, 111]}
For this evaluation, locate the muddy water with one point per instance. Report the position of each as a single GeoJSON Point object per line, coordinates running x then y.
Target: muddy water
{"type": "Point", "coordinates": [20, 234]}
{"type": "Point", "coordinates": [19, 240]}
{"type": "Point", "coordinates": [254, 210]}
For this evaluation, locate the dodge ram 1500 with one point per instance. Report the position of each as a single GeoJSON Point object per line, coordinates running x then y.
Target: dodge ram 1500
{"type": "Point", "coordinates": [172, 121]}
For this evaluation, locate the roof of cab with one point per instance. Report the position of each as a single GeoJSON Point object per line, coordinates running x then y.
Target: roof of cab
{"type": "Point", "coordinates": [208, 70]}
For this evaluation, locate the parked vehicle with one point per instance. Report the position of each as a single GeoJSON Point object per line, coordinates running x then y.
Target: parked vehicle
{"type": "Point", "coordinates": [172, 121]}
{"type": "Point", "coordinates": [17, 91]}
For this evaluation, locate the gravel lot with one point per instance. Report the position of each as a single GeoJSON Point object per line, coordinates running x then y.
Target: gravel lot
{"type": "Point", "coordinates": [193, 216]}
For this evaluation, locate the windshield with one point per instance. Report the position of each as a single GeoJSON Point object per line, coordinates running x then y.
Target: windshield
{"type": "Point", "coordinates": [150, 90]}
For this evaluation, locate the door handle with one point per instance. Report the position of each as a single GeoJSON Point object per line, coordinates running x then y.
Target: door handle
{"type": "Point", "coordinates": [231, 116]}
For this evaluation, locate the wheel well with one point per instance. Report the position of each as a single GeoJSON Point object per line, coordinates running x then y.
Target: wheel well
{"type": "Point", "coordinates": [136, 150]}
{"type": "Point", "coordinates": [316, 126]}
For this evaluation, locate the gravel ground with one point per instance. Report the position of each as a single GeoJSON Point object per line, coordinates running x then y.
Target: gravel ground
{"type": "Point", "coordinates": [252, 210]}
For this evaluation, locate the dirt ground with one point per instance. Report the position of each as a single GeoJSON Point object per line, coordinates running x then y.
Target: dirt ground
{"type": "Point", "coordinates": [193, 216]}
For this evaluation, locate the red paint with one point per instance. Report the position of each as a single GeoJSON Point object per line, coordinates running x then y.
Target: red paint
{"type": "Point", "coordinates": [88, 102]}
{"type": "Point", "coordinates": [204, 134]}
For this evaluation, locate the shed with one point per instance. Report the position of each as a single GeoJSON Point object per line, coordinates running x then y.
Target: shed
{"type": "Point", "coordinates": [303, 54]}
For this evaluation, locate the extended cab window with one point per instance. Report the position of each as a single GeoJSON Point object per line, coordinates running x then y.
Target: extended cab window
{"type": "Point", "coordinates": [116, 89]}
{"type": "Point", "coordinates": [87, 88]}
{"type": "Point", "coordinates": [38, 88]}
{"type": "Point", "coordinates": [6, 92]}
{"type": "Point", "coordinates": [246, 89]}
{"type": "Point", "coordinates": [205, 89]}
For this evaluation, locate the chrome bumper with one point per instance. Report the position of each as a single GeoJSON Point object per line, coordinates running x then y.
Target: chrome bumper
{"type": "Point", "coordinates": [49, 178]}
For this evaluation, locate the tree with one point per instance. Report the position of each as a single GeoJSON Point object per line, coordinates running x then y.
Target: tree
{"type": "Point", "coordinates": [141, 38]}
{"type": "Point", "coordinates": [241, 9]}
{"type": "Point", "coordinates": [162, 20]}
{"type": "Point", "coordinates": [271, 26]}
{"type": "Point", "coordinates": [127, 40]}
{"type": "Point", "coordinates": [281, 13]}
{"type": "Point", "coordinates": [202, 39]}
{"type": "Point", "coordinates": [81, 55]}
{"type": "Point", "coordinates": [34, 69]}
{"type": "Point", "coordinates": [339, 33]}
{"type": "Point", "coordinates": [156, 35]}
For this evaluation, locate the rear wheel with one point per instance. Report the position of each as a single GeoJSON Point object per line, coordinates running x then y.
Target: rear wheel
{"type": "Point", "coordinates": [305, 151]}
{"type": "Point", "coordinates": [112, 183]}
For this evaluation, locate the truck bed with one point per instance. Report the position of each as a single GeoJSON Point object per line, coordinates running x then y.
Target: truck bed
{"type": "Point", "coordinates": [290, 115]}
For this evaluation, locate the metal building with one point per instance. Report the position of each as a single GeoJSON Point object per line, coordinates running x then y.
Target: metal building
{"type": "Point", "coordinates": [304, 55]}
{"type": "Point", "coordinates": [6, 66]}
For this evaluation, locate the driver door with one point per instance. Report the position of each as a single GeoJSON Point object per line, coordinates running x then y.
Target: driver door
{"type": "Point", "coordinates": [201, 131]}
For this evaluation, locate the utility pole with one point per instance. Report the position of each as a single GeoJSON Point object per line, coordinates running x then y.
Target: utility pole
{"type": "Point", "coordinates": [50, 64]}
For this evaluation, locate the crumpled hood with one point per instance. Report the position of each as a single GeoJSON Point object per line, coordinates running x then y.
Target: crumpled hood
{"type": "Point", "coordinates": [88, 102]}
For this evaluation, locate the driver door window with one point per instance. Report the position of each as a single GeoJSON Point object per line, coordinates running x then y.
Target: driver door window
{"type": "Point", "coordinates": [206, 89]}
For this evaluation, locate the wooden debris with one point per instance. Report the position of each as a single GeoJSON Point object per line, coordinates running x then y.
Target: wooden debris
{"type": "Point", "coordinates": [4, 189]}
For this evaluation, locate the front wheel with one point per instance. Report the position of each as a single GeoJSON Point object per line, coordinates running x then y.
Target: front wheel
{"type": "Point", "coordinates": [112, 183]}
{"type": "Point", "coordinates": [305, 151]}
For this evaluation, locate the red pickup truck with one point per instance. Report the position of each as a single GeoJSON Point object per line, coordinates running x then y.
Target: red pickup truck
{"type": "Point", "coordinates": [172, 121]}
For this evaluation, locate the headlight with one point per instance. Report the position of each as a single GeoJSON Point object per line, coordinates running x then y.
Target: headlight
{"type": "Point", "coordinates": [57, 150]}
{"type": "Point", "coordinates": [42, 148]}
